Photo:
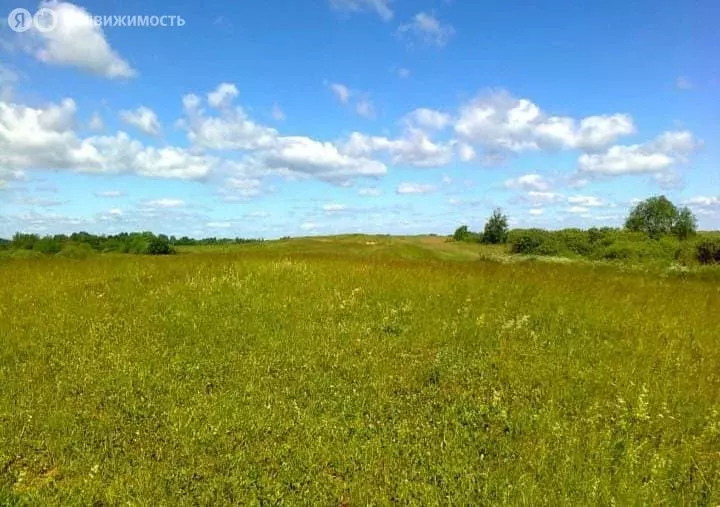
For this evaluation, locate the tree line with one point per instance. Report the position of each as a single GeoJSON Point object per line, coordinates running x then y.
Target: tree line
{"type": "Point", "coordinates": [79, 243]}
{"type": "Point", "coordinates": [655, 229]}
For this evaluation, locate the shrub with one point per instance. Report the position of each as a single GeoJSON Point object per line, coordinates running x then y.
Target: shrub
{"type": "Point", "coordinates": [708, 250]}
{"type": "Point", "coordinates": [461, 233]}
{"type": "Point", "coordinates": [76, 251]}
{"type": "Point", "coordinates": [533, 242]}
{"type": "Point", "coordinates": [159, 246]}
{"type": "Point", "coordinates": [576, 241]}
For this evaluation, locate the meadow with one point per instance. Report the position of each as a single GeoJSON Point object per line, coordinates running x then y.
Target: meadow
{"type": "Point", "coordinates": [356, 370]}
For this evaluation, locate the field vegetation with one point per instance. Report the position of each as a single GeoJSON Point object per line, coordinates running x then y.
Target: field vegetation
{"type": "Point", "coordinates": [356, 370]}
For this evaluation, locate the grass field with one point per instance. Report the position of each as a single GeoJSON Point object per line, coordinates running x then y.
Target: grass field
{"type": "Point", "coordinates": [355, 370]}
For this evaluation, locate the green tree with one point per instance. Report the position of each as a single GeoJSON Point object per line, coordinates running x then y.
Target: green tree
{"type": "Point", "coordinates": [657, 216]}
{"type": "Point", "coordinates": [496, 228]}
{"type": "Point", "coordinates": [685, 224]}
{"type": "Point", "coordinates": [461, 233]}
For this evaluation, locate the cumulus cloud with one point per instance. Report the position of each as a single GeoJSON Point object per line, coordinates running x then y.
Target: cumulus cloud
{"type": "Point", "coordinates": [413, 148]}
{"type": "Point", "coordinates": [427, 30]}
{"type": "Point", "coordinates": [142, 118]}
{"type": "Point", "coordinates": [528, 182]}
{"type": "Point", "coordinates": [380, 7]}
{"type": "Point", "coordinates": [414, 188]}
{"type": "Point", "coordinates": [465, 152]}
{"type": "Point", "coordinates": [223, 95]}
{"type": "Point", "coordinates": [500, 122]}
{"type": "Point", "coordinates": [44, 138]}
{"type": "Point", "coordinates": [429, 119]}
{"type": "Point", "coordinates": [657, 156]}
{"type": "Point", "coordinates": [77, 42]}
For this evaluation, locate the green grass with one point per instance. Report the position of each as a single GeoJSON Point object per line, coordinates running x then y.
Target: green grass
{"type": "Point", "coordinates": [355, 370]}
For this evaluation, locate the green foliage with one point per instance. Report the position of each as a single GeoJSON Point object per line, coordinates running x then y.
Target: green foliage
{"type": "Point", "coordinates": [708, 250]}
{"type": "Point", "coordinates": [461, 233]}
{"type": "Point", "coordinates": [657, 216]}
{"type": "Point", "coordinates": [159, 246]}
{"type": "Point", "coordinates": [496, 228]}
{"type": "Point", "coordinates": [533, 242]}
{"type": "Point", "coordinates": [335, 372]}
{"type": "Point", "coordinates": [136, 243]}
{"type": "Point", "coordinates": [76, 251]}
{"type": "Point", "coordinates": [685, 224]}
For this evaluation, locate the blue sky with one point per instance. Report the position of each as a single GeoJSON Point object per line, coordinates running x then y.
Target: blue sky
{"type": "Point", "coordinates": [277, 118]}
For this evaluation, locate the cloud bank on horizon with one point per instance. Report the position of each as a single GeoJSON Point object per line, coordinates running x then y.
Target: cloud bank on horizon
{"type": "Point", "coordinates": [403, 124]}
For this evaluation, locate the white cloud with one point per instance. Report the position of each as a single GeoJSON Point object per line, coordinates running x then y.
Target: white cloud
{"type": "Point", "coordinates": [115, 212]}
{"type": "Point", "coordinates": [537, 211]}
{"type": "Point", "coordinates": [427, 29]}
{"type": "Point", "coordinates": [381, 7]}
{"type": "Point", "coordinates": [165, 203]}
{"type": "Point", "coordinates": [300, 156]}
{"type": "Point", "coordinates": [536, 197]}
{"type": "Point", "coordinates": [657, 156]}
{"type": "Point", "coordinates": [465, 152]}
{"type": "Point", "coordinates": [413, 148]}
{"type": "Point", "coordinates": [77, 42]}
{"type": "Point", "coordinates": [403, 72]}
{"type": "Point", "coordinates": [233, 131]}
{"type": "Point", "coordinates": [429, 119]}
{"type": "Point", "coordinates": [703, 201]}
{"type": "Point", "coordinates": [334, 207]}
{"type": "Point", "coordinates": [341, 91]}
{"type": "Point", "coordinates": [142, 118]}
{"type": "Point", "coordinates": [588, 201]}
{"type": "Point", "coordinates": [43, 138]}
{"type": "Point", "coordinates": [500, 122]}
{"type": "Point", "coordinates": [222, 96]}
{"type": "Point", "coordinates": [8, 175]}
{"type": "Point", "coordinates": [365, 108]}
{"type": "Point", "coordinates": [414, 188]}
{"type": "Point", "coordinates": [528, 182]}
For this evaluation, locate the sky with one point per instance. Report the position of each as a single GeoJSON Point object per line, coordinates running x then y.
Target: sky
{"type": "Point", "coordinates": [293, 118]}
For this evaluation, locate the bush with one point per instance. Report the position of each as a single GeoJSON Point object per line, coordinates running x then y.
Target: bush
{"type": "Point", "coordinates": [708, 250]}
{"type": "Point", "coordinates": [76, 251]}
{"type": "Point", "coordinates": [533, 242]}
{"type": "Point", "coordinates": [576, 241]}
{"type": "Point", "coordinates": [159, 246]}
{"type": "Point", "coordinates": [461, 233]}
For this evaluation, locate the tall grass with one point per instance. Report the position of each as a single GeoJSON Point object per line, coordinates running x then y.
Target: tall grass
{"type": "Point", "coordinates": [306, 376]}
